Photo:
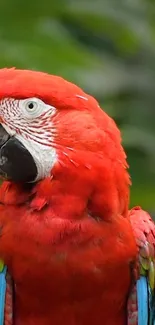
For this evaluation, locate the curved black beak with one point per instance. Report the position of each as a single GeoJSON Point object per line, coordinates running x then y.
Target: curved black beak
{"type": "Point", "coordinates": [16, 162]}
{"type": "Point", "coordinates": [4, 136]}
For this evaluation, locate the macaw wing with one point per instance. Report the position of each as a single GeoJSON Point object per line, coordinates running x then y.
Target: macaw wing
{"type": "Point", "coordinates": [141, 303]}
{"type": "Point", "coordinates": [6, 296]}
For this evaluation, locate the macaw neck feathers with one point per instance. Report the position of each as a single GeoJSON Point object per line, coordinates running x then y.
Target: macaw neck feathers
{"type": "Point", "coordinates": [18, 194]}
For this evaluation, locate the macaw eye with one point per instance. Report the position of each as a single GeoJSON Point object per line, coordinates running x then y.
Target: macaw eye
{"type": "Point", "coordinates": [31, 106]}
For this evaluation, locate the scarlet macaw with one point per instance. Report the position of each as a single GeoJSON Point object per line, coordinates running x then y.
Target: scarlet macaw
{"type": "Point", "coordinates": [74, 251]}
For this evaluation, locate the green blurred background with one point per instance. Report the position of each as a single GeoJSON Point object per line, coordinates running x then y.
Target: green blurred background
{"type": "Point", "coordinates": [105, 46]}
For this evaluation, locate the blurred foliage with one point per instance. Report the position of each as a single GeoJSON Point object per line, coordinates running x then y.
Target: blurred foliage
{"type": "Point", "coordinates": [105, 46]}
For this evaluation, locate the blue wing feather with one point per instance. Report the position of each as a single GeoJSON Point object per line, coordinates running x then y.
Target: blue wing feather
{"type": "Point", "coordinates": [142, 301]}
{"type": "Point", "coordinates": [145, 302]}
{"type": "Point", "coordinates": [2, 294]}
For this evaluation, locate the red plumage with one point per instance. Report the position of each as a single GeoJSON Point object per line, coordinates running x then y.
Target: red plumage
{"type": "Point", "coordinates": [67, 240]}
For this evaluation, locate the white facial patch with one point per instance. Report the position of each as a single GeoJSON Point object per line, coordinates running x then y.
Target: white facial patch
{"type": "Point", "coordinates": [44, 156]}
{"type": "Point", "coordinates": [30, 121]}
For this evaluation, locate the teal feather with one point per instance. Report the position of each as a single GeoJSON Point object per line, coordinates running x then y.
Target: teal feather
{"type": "Point", "coordinates": [2, 294]}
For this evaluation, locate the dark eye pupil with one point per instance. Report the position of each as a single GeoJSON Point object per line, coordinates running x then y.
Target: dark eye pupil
{"type": "Point", "coordinates": [30, 105]}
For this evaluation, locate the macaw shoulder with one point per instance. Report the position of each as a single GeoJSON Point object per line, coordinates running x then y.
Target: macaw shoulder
{"type": "Point", "coordinates": [143, 226]}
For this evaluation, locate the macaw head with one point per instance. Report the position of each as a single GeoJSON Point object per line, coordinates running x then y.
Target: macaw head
{"type": "Point", "coordinates": [50, 126]}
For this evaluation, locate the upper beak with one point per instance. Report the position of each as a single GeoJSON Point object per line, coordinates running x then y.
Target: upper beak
{"type": "Point", "coordinates": [4, 136]}
{"type": "Point", "coordinates": [16, 162]}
